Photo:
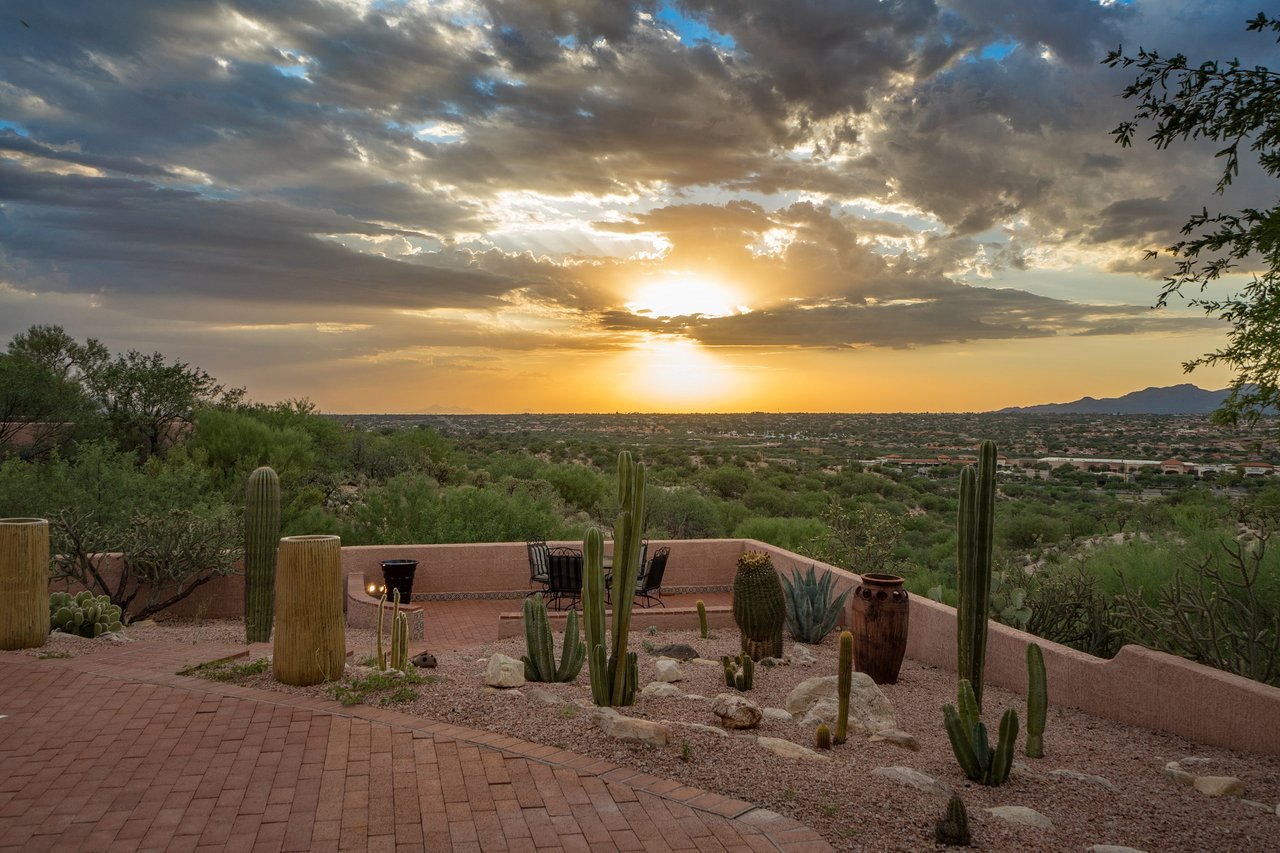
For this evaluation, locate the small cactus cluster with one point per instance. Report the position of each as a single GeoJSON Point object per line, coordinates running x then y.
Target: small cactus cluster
{"type": "Point", "coordinates": [83, 614]}
{"type": "Point", "coordinates": [953, 829]}
{"type": "Point", "coordinates": [739, 673]}
{"type": "Point", "coordinates": [759, 606]}
{"type": "Point", "coordinates": [822, 736]}
{"type": "Point", "coordinates": [969, 742]}
{"type": "Point", "coordinates": [702, 619]}
{"type": "Point", "coordinates": [399, 655]}
{"type": "Point", "coordinates": [540, 662]}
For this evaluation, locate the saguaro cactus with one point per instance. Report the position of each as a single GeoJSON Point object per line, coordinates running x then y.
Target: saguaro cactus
{"type": "Point", "coordinates": [261, 536]}
{"type": "Point", "coordinates": [702, 618]}
{"type": "Point", "coordinates": [614, 673]}
{"type": "Point", "coordinates": [24, 582]}
{"type": "Point", "coordinates": [973, 576]}
{"type": "Point", "coordinates": [759, 605]}
{"type": "Point", "coordinates": [1037, 701]}
{"type": "Point", "coordinates": [310, 645]}
{"type": "Point", "coordinates": [844, 684]}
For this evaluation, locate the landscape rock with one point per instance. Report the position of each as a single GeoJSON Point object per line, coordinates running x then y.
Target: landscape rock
{"type": "Point", "coordinates": [617, 726]}
{"type": "Point", "coordinates": [869, 709]}
{"type": "Point", "coordinates": [801, 655]}
{"type": "Point", "coordinates": [1021, 815]}
{"type": "Point", "coordinates": [1083, 777]}
{"type": "Point", "coordinates": [425, 660]}
{"type": "Point", "coordinates": [915, 779]}
{"type": "Point", "coordinates": [542, 694]}
{"type": "Point", "coordinates": [504, 671]}
{"type": "Point", "coordinates": [1195, 761]}
{"type": "Point", "coordinates": [705, 662]}
{"type": "Point", "coordinates": [678, 651]}
{"type": "Point", "coordinates": [897, 738]}
{"type": "Point", "coordinates": [787, 749]}
{"type": "Point", "coordinates": [1218, 786]}
{"type": "Point", "coordinates": [697, 726]}
{"type": "Point", "coordinates": [659, 689]}
{"type": "Point", "coordinates": [1175, 772]}
{"type": "Point", "coordinates": [778, 714]}
{"type": "Point", "coordinates": [736, 712]}
{"type": "Point", "coordinates": [669, 670]}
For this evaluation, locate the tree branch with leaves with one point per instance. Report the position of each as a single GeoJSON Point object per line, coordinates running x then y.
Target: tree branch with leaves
{"type": "Point", "coordinates": [1233, 105]}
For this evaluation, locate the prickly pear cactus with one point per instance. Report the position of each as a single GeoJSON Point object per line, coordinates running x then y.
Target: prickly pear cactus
{"type": "Point", "coordinates": [759, 606]}
{"type": "Point", "coordinates": [82, 614]}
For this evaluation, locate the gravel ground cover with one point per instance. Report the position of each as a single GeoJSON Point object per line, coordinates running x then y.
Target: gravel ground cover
{"type": "Point", "coordinates": [1129, 801]}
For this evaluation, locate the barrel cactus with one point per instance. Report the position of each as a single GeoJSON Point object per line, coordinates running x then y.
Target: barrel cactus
{"type": "Point", "coordinates": [759, 606]}
{"type": "Point", "coordinates": [261, 536]}
{"type": "Point", "coordinates": [83, 614]}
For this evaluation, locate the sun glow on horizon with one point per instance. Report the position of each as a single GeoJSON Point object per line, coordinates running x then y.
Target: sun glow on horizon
{"type": "Point", "coordinates": [684, 294]}
{"type": "Point", "coordinates": [679, 374]}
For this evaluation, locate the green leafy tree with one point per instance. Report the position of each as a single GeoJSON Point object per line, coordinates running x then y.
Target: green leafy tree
{"type": "Point", "coordinates": [148, 401]}
{"type": "Point", "coordinates": [1228, 104]}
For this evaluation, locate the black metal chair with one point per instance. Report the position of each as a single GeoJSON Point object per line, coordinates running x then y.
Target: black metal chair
{"type": "Point", "coordinates": [564, 576]}
{"type": "Point", "coordinates": [608, 579]}
{"type": "Point", "coordinates": [538, 565]}
{"type": "Point", "coordinates": [649, 585]}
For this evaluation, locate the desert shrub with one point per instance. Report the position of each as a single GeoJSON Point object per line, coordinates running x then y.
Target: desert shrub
{"type": "Point", "coordinates": [793, 534]}
{"type": "Point", "coordinates": [163, 558]}
{"type": "Point", "coordinates": [1068, 606]}
{"type": "Point", "coordinates": [1221, 608]}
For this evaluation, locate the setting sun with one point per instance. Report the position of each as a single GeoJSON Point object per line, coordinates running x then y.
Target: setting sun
{"type": "Point", "coordinates": [683, 294]}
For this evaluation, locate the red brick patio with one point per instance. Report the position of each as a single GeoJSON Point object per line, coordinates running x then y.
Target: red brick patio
{"type": "Point", "coordinates": [119, 753]}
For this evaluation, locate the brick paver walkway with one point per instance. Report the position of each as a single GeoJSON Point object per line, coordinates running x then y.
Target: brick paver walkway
{"type": "Point", "coordinates": [118, 753]}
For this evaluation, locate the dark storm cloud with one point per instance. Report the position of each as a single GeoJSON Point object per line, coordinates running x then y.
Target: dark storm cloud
{"type": "Point", "coordinates": [130, 236]}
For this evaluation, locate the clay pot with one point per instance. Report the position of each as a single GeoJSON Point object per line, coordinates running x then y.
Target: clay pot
{"type": "Point", "coordinates": [881, 610]}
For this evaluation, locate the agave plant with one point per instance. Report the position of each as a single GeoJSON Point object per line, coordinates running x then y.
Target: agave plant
{"type": "Point", "coordinates": [811, 612]}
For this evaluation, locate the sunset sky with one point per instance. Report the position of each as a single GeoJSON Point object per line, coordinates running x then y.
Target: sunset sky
{"type": "Point", "coordinates": [567, 205]}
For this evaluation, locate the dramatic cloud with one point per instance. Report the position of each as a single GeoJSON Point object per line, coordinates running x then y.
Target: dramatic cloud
{"type": "Point", "coordinates": [444, 182]}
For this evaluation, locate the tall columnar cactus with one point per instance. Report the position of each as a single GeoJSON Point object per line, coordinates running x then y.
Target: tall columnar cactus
{"type": "Point", "coordinates": [973, 576]}
{"type": "Point", "coordinates": [614, 670]}
{"type": "Point", "coordinates": [540, 662]}
{"type": "Point", "coordinates": [1037, 701]}
{"type": "Point", "coordinates": [309, 644]}
{"type": "Point", "coordinates": [24, 582]}
{"type": "Point", "coordinates": [968, 737]}
{"type": "Point", "coordinates": [261, 536]}
{"type": "Point", "coordinates": [844, 684]}
{"type": "Point", "coordinates": [759, 605]}
{"type": "Point", "coordinates": [702, 618]}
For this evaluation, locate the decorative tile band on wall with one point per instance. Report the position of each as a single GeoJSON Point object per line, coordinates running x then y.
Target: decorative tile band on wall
{"type": "Point", "coordinates": [522, 593]}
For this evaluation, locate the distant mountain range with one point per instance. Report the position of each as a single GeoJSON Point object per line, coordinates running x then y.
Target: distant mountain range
{"type": "Point", "coordinates": [1185, 399]}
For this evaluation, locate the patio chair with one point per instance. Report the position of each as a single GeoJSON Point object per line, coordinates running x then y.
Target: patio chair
{"type": "Point", "coordinates": [538, 565]}
{"type": "Point", "coordinates": [649, 584]}
{"type": "Point", "coordinates": [608, 579]}
{"type": "Point", "coordinates": [564, 576]}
